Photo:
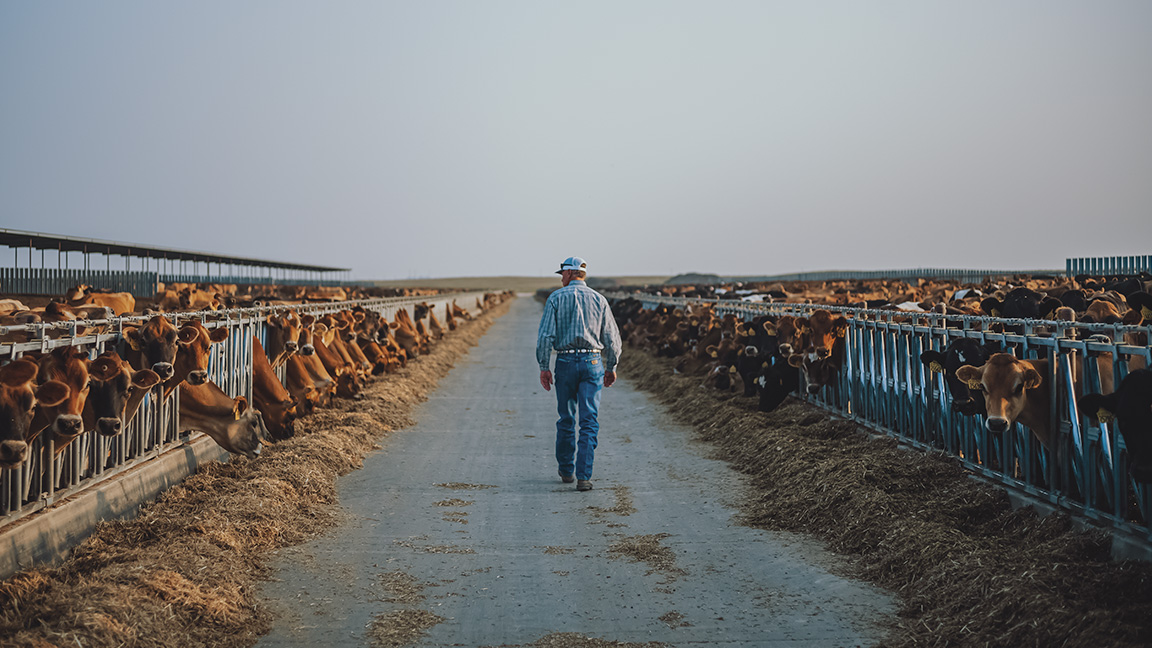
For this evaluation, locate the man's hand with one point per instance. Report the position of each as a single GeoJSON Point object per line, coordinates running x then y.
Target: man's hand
{"type": "Point", "coordinates": [546, 380]}
{"type": "Point", "coordinates": [609, 378]}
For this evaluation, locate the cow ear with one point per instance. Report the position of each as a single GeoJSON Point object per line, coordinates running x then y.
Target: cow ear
{"type": "Point", "coordinates": [769, 328]}
{"type": "Point", "coordinates": [218, 335]}
{"type": "Point", "coordinates": [145, 379]}
{"type": "Point", "coordinates": [934, 360]}
{"type": "Point", "coordinates": [971, 375]}
{"type": "Point", "coordinates": [991, 306]}
{"type": "Point", "coordinates": [135, 340]}
{"type": "Point", "coordinates": [273, 320]}
{"type": "Point", "coordinates": [188, 334]}
{"type": "Point", "coordinates": [52, 393]}
{"type": "Point", "coordinates": [18, 373]}
{"type": "Point", "coordinates": [240, 406]}
{"type": "Point", "coordinates": [1098, 406]}
{"type": "Point", "coordinates": [796, 360]}
{"type": "Point", "coordinates": [1032, 378]}
{"type": "Point", "coordinates": [103, 368]}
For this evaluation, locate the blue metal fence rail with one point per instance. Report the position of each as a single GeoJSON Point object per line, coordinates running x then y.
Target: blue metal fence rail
{"type": "Point", "coordinates": [886, 387]}
{"type": "Point", "coordinates": [44, 479]}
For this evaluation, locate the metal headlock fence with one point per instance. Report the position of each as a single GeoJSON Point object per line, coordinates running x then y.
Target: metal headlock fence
{"type": "Point", "coordinates": [45, 478]}
{"type": "Point", "coordinates": [956, 274]}
{"type": "Point", "coordinates": [884, 386]}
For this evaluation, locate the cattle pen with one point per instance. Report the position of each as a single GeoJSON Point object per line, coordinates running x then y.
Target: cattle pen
{"type": "Point", "coordinates": [49, 477]}
{"type": "Point", "coordinates": [885, 387]}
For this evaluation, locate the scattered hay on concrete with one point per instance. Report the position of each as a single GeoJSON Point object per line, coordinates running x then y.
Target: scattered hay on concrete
{"type": "Point", "coordinates": [455, 502]}
{"type": "Point", "coordinates": [462, 486]}
{"type": "Point", "coordinates": [647, 549]}
{"type": "Point", "coordinates": [400, 628]}
{"type": "Point", "coordinates": [402, 588]}
{"type": "Point", "coordinates": [184, 571]}
{"type": "Point", "coordinates": [675, 620]}
{"type": "Point", "coordinates": [557, 551]}
{"type": "Point", "coordinates": [576, 640]}
{"type": "Point", "coordinates": [969, 570]}
{"type": "Point", "coordinates": [434, 549]}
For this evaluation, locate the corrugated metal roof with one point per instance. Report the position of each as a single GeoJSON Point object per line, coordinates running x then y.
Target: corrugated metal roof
{"type": "Point", "coordinates": [42, 241]}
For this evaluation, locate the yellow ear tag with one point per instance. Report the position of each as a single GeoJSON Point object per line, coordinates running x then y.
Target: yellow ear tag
{"type": "Point", "coordinates": [842, 332]}
{"type": "Point", "coordinates": [764, 365]}
{"type": "Point", "coordinates": [732, 369]}
{"type": "Point", "coordinates": [995, 312]}
{"type": "Point", "coordinates": [1146, 313]}
{"type": "Point", "coordinates": [1104, 416]}
{"type": "Point", "coordinates": [936, 367]}
{"type": "Point", "coordinates": [974, 384]}
{"type": "Point", "coordinates": [714, 354]}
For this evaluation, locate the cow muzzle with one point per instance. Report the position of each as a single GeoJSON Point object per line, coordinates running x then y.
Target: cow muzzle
{"type": "Point", "coordinates": [68, 425]}
{"type": "Point", "coordinates": [198, 377]}
{"type": "Point", "coordinates": [291, 347]}
{"type": "Point", "coordinates": [164, 370]}
{"type": "Point", "coordinates": [996, 424]}
{"type": "Point", "coordinates": [109, 426]}
{"type": "Point", "coordinates": [823, 352]}
{"type": "Point", "coordinates": [307, 350]}
{"type": "Point", "coordinates": [12, 453]}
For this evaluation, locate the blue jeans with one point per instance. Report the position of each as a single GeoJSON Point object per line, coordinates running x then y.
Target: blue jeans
{"type": "Point", "coordinates": [579, 378]}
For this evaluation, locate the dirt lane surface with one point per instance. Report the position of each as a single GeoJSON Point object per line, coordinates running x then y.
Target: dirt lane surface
{"type": "Point", "coordinates": [459, 533]}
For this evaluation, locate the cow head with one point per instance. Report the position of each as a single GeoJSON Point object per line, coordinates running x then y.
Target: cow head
{"type": "Point", "coordinates": [69, 366]}
{"type": "Point", "coordinates": [18, 400]}
{"type": "Point", "coordinates": [157, 342]}
{"type": "Point", "coordinates": [1005, 382]}
{"type": "Point", "coordinates": [1131, 405]}
{"type": "Point", "coordinates": [192, 353]}
{"type": "Point", "coordinates": [245, 434]}
{"type": "Point", "coordinates": [283, 334]}
{"type": "Point", "coordinates": [960, 352]}
{"type": "Point", "coordinates": [826, 331]}
{"type": "Point", "coordinates": [115, 391]}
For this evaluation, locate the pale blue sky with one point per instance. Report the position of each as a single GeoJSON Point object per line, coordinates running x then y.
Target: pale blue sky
{"type": "Point", "coordinates": [460, 138]}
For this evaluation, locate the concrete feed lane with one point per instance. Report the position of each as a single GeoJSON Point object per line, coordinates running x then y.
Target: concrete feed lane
{"type": "Point", "coordinates": [460, 528]}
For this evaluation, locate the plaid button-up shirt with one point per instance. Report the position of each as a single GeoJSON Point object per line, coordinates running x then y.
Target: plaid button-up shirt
{"type": "Point", "coordinates": [577, 317]}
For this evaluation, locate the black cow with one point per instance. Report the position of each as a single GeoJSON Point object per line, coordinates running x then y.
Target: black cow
{"type": "Point", "coordinates": [960, 352]}
{"type": "Point", "coordinates": [1021, 303]}
{"type": "Point", "coordinates": [1131, 405]}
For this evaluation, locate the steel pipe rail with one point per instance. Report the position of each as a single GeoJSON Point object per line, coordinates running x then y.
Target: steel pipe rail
{"type": "Point", "coordinates": [44, 479]}
{"type": "Point", "coordinates": [884, 386]}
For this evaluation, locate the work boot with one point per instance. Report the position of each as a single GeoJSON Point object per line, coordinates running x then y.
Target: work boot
{"type": "Point", "coordinates": [584, 485]}
{"type": "Point", "coordinates": [567, 479]}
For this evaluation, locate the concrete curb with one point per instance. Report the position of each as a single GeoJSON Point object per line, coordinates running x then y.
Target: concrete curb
{"type": "Point", "coordinates": [48, 536]}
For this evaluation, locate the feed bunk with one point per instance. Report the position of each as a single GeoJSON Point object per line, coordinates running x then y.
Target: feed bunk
{"type": "Point", "coordinates": [45, 478]}
{"type": "Point", "coordinates": [885, 386]}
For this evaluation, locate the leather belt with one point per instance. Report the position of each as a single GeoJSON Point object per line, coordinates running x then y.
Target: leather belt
{"type": "Point", "coordinates": [579, 351]}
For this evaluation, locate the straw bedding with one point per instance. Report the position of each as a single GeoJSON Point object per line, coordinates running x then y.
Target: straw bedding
{"type": "Point", "coordinates": [969, 570]}
{"type": "Point", "coordinates": [184, 572]}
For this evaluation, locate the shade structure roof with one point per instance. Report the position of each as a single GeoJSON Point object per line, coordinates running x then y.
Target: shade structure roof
{"type": "Point", "coordinates": [40, 241]}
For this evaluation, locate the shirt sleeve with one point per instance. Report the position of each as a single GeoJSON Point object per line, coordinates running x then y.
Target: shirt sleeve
{"type": "Point", "coordinates": [610, 338]}
{"type": "Point", "coordinates": [546, 334]}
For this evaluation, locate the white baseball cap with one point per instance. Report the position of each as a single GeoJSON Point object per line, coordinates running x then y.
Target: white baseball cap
{"type": "Point", "coordinates": [572, 263]}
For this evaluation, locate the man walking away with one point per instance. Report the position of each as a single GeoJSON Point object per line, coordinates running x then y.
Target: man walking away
{"type": "Point", "coordinates": [578, 324]}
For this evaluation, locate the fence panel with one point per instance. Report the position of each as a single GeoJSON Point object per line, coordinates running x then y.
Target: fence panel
{"type": "Point", "coordinates": [884, 386]}
{"type": "Point", "coordinates": [48, 476]}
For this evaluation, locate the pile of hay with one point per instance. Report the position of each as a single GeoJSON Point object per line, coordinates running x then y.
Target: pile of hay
{"type": "Point", "coordinates": [184, 572]}
{"type": "Point", "coordinates": [969, 570]}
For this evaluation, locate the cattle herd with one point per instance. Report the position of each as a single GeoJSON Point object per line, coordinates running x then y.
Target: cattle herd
{"type": "Point", "coordinates": [69, 390]}
{"type": "Point", "coordinates": [768, 356]}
